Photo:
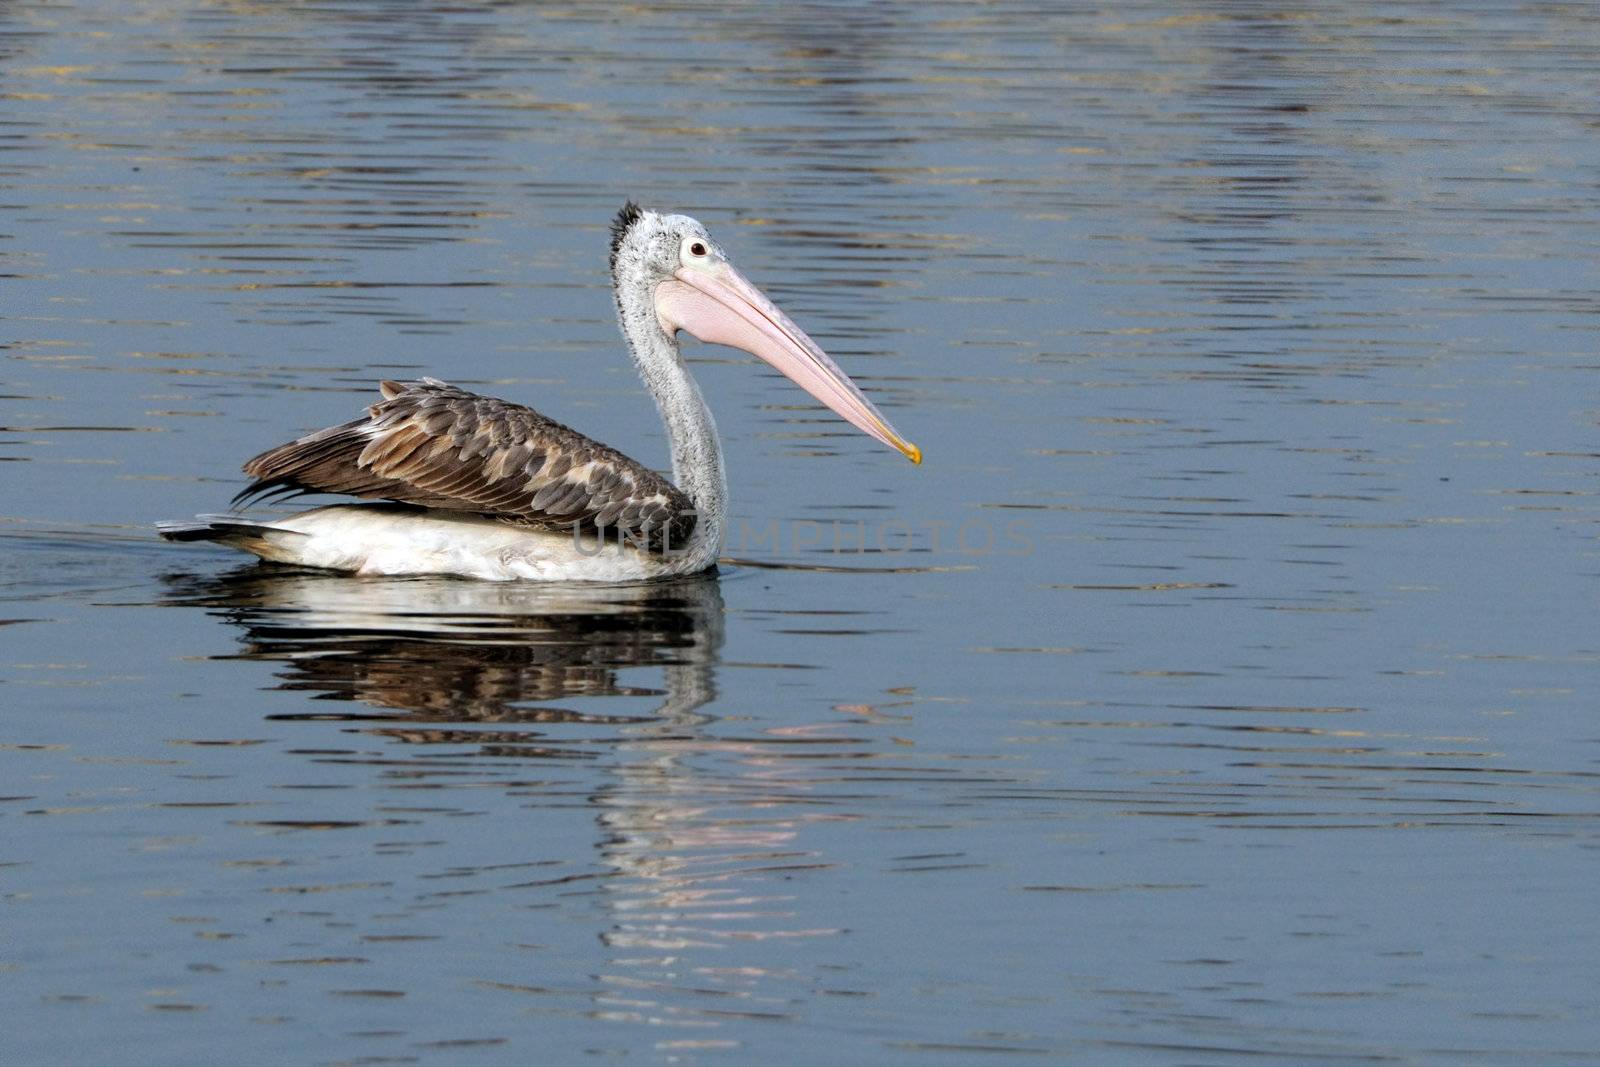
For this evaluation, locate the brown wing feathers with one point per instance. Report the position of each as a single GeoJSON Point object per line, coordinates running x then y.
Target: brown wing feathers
{"type": "Point", "coordinates": [432, 444]}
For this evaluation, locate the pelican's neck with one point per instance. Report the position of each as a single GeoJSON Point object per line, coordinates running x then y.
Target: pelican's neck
{"type": "Point", "coordinates": [691, 432]}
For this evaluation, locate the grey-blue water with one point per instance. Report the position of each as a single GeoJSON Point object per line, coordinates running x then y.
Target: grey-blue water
{"type": "Point", "coordinates": [1222, 689]}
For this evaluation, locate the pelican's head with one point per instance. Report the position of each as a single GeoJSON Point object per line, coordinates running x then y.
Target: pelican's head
{"type": "Point", "coordinates": [692, 286]}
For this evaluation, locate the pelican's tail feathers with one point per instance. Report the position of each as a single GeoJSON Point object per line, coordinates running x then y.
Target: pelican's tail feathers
{"type": "Point", "coordinates": [228, 530]}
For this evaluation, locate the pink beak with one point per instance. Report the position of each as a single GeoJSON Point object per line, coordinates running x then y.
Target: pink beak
{"type": "Point", "coordinates": [718, 306]}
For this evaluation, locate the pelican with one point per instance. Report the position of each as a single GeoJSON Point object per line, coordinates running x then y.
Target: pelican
{"type": "Point", "coordinates": [483, 488]}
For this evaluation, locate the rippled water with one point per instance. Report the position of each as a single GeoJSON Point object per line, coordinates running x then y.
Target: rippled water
{"type": "Point", "coordinates": [1221, 689]}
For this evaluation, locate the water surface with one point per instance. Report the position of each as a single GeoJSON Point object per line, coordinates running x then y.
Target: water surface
{"type": "Point", "coordinates": [1220, 690]}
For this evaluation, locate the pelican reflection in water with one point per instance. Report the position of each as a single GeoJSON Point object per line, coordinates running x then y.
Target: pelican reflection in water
{"type": "Point", "coordinates": [484, 488]}
{"type": "Point", "coordinates": [695, 836]}
{"type": "Point", "coordinates": [443, 651]}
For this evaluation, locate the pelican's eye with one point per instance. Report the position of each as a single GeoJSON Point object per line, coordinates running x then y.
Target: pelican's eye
{"type": "Point", "coordinates": [698, 248]}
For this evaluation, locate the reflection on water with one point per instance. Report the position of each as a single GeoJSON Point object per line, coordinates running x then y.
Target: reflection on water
{"type": "Point", "coordinates": [448, 651]}
{"type": "Point", "coordinates": [457, 679]}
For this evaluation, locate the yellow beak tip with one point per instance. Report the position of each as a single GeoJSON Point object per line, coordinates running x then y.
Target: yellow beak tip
{"type": "Point", "coordinates": [913, 453]}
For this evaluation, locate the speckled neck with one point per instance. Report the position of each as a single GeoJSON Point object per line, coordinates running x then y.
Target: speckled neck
{"type": "Point", "coordinates": [691, 431]}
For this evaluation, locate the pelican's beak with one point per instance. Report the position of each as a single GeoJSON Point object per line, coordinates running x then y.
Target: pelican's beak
{"type": "Point", "coordinates": [719, 306]}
